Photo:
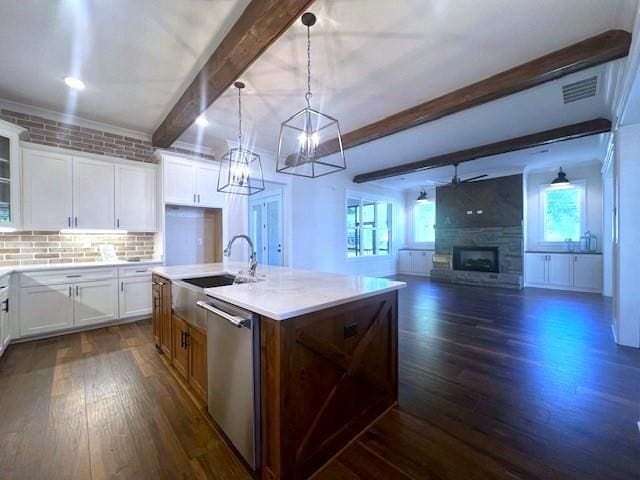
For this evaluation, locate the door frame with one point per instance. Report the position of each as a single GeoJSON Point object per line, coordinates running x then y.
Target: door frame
{"type": "Point", "coordinates": [271, 190]}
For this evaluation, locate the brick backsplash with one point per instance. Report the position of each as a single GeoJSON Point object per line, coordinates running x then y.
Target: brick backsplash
{"type": "Point", "coordinates": [29, 248]}
{"type": "Point", "coordinates": [65, 135]}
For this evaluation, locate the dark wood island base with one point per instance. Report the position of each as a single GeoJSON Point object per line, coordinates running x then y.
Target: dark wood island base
{"type": "Point", "coordinates": [325, 377]}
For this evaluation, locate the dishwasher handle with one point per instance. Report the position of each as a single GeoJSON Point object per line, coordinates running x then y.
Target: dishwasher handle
{"type": "Point", "coordinates": [238, 322]}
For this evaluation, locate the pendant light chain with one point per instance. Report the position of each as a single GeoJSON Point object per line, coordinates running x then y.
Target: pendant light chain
{"type": "Point", "coordinates": [239, 118]}
{"type": "Point", "coordinates": [308, 95]}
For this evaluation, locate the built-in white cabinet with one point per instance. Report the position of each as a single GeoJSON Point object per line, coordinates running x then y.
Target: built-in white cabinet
{"type": "Point", "coordinates": [135, 187]}
{"type": "Point", "coordinates": [415, 262]}
{"type": "Point", "coordinates": [45, 308]}
{"type": "Point", "coordinates": [63, 190]}
{"type": "Point", "coordinates": [10, 174]}
{"type": "Point", "coordinates": [565, 271]}
{"type": "Point", "coordinates": [135, 296]}
{"type": "Point", "coordinates": [93, 194]}
{"type": "Point", "coordinates": [95, 302]}
{"type": "Point", "coordinates": [190, 182]}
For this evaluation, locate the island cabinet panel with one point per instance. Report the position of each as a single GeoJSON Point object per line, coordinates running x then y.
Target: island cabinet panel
{"type": "Point", "coordinates": [180, 353]}
{"type": "Point", "coordinates": [161, 314]}
{"type": "Point", "coordinates": [197, 344]}
{"type": "Point", "coordinates": [326, 377]}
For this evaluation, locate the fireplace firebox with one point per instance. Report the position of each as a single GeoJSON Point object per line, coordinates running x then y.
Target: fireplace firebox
{"type": "Point", "coordinates": [476, 259]}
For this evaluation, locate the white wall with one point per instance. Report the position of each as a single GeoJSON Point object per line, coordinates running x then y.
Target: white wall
{"type": "Point", "coordinates": [591, 175]}
{"type": "Point", "coordinates": [627, 237]}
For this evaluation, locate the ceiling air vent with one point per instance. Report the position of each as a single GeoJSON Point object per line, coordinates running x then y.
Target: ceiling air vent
{"type": "Point", "coordinates": [579, 90]}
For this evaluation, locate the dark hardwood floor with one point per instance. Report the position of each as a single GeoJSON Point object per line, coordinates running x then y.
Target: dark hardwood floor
{"type": "Point", "coordinates": [493, 384]}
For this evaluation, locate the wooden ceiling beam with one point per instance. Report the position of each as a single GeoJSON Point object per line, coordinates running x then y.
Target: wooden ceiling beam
{"type": "Point", "coordinates": [597, 50]}
{"type": "Point", "coordinates": [261, 23]}
{"type": "Point", "coordinates": [578, 130]}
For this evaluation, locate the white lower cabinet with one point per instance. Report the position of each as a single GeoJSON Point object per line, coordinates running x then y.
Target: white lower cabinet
{"type": "Point", "coordinates": [95, 302]}
{"type": "Point", "coordinates": [45, 308]}
{"type": "Point", "coordinates": [415, 262]}
{"type": "Point", "coordinates": [135, 296]}
{"type": "Point", "coordinates": [5, 327]}
{"type": "Point", "coordinates": [582, 272]}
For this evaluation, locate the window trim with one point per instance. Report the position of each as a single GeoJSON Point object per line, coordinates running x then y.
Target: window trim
{"type": "Point", "coordinates": [413, 241]}
{"type": "Point", "coordinates": [363, 197]}
{"type": "Point", "coordinates": [542, 188]}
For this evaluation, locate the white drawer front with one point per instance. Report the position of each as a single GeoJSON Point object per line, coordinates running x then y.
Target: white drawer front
{"type": "Point", "coordinates": [32, 279]}
{"type": "Point", "coordinates": [135, 271]}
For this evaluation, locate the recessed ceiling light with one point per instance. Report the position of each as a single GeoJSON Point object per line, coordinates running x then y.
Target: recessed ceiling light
{"type": "Point", "coordinates": [202, 121]}
{"type": "Point", "coordinates": [74, 83]}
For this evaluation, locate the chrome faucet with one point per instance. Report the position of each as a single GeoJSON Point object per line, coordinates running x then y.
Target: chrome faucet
{"type": "Point", "coordinates": [253, 263]}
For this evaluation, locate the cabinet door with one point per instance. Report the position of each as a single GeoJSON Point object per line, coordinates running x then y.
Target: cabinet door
{"type": "Point", "coordinates": [165, 319]}
{"type": "Point", "coordinates": [95, 302]}
{"type": "Point", "coordinates": [47, 186]}
{"type": "Point", "coordinates": [179, 181]}
{"type": "Point", "coordinates": [197, 343]}
{"type": "Point", "coordinates": [135, 198]}
{"type": "Point", "coordinates": [5, 329]}
{"type": "Point", "coordinates": [587, 272]}
{"type": "Point", "coordinates": [207, 194]}
{"type": "Point", "coordinates": [419, 262]}
{"type": "Point", "coordinates": [45, 309]}
{"type": "Point", "coordinates": [404, 261]}
{"type": "Point", "coordinates": [559, 270]}
{"type": "Point", "coordinates": [535, 268]}
{"type": "Point", "coordinates": [93, 194]}
{"type": "Point", "coordinates": [135, 296]}
{"type": "Point", "coordinates": [156, 310]}
{"type": "Point", "coordinates": [179, 349]}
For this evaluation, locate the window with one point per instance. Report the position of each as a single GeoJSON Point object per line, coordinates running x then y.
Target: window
{"type": "Point", "coordinates": [424, 219]}
{"type": "Point", "coordinates": [562, 213]}
{"type": "Point", "coordinates": [368, 227]}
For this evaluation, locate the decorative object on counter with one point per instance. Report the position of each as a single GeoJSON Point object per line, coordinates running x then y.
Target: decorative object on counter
{"type": "Point", "coordinates": [588, 242]}
{"type": "Point", "coordinates": [422, 198]}
{"type": "Point", "coordinates": [240, 169]}
{"type": "Point", "coordinates": [108, 253]}
{"type": "Point", "coordinates": [561, 181]}
{"type": "Point", "coordinates": [569, 245]}
{"type": "Point", "coordinates": [300, 150]}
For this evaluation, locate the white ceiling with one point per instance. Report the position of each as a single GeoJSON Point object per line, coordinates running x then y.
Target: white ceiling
{"type": "Point", "coordinates": [135, 57]}
{"type": "Point", "coordinates": [375, 58]}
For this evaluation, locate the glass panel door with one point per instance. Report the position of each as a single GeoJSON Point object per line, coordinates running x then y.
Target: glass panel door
{"type": "Point", "coordinates": [266, 228]}
{"type": "Point", "coordinates": [5, 180]}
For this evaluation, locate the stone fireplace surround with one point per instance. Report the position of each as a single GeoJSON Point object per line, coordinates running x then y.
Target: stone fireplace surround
{"type": "Point", "coordinates": [509, 241]}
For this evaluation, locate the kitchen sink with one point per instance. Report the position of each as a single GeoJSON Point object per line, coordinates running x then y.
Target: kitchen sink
{"type": "Point", "coordinates": [213, 281]}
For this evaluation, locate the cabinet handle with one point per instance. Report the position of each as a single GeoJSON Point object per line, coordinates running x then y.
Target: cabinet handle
{"type": "Point", "coordinates": [182, 339]}
{"type": "Point", "coordinates": [76, 221]}
{"type": "Point", "coordinates": [198, 198]}
{"type": "Point", "coordinates": [118, 223]}
{"type": "Point", "coordinates": [77, 291]}
{"type": "Point", "coordinates": [186, 340]}
{"type": "Point", "coordinates": [194, 198]}
{"type": "Point", "coordinates": [69, 292]}
{"type": "Point", "coordinates": [69, 221]}
{"type": "Point", "coordinates": [575, 258]}
{"type": "Point", "coordinates": [122, 286]}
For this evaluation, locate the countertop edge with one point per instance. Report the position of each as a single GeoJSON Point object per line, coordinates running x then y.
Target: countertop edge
{"type": "Point", "coordinates": [72, 266]}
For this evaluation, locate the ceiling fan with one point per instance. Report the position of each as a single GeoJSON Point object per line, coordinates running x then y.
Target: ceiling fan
{"type": "Point", "coordinates": [456, 180]}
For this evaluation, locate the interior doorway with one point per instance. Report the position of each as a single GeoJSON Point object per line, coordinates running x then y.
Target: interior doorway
{"type": "Point", "coordinates": [266, 224]}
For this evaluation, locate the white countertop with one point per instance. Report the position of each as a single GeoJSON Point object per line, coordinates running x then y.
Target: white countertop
{"type": "Point", "coordinates": [284, 292]}
{"type": "Point", "coordinates": [67, 266]}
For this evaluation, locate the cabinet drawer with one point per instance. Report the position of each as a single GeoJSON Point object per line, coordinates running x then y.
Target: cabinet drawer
{"type": "Point", "coordinates": [136, 271]}
{"type": "Point", "coordinates": [32, 279]}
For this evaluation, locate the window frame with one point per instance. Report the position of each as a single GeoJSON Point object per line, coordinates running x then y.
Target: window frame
{"type": "Point", "coordinates": [367, 198]}
{"type": "Point", "coordinates": [542, 189]}
{"type": "Point", "coordinates": [413, 240]}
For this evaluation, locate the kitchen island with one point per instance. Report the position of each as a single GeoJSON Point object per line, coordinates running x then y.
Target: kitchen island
{"type": "Point", "coordinates": [326, 359]}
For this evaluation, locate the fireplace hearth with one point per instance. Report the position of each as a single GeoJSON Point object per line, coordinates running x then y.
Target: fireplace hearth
{"type": "Point", "coordinates": [476, 259]}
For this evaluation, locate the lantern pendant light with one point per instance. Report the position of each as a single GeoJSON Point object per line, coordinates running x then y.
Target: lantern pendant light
{"type": "Point", "coordinates": [240, 169]}
{"type": "Point", "coordinates": [305, 136]}
{"type": "Point", "coordinates": [423, 198]}
{"type": "Point", "coordinates": [561, 181]}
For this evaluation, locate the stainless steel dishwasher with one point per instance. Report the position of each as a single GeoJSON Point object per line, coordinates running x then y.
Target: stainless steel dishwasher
{"type": "Point", "coordinates": [233, 355]}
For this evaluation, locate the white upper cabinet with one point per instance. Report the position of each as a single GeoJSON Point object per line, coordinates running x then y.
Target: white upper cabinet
{"type": "Point", "coordinates": [135, 194]}
{"type": "Point", "coordinates": [61, 190]}
{"type": "Point", "coordinates": [190, 182]}
{"type": "Point", "coordinates": [207, 194]}
{"type": "Point", "coordinates": [47, 187]}
{"type": "Point", "coordinates": [9, 174]}
{"type": "Point", "coordinates": [93, 194]}
{"type": "Point", "coordinates": [179, 181]}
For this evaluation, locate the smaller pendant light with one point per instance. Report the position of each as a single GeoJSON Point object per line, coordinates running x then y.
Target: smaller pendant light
{"type": "Point", "coordinates": [422, 198]}
{"type": "Point", "coordinates": [304, 134]}
{"type": "Point", "coordinates": [561, 180]}
{"type": "Point", "coordinates": [240, 169]}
